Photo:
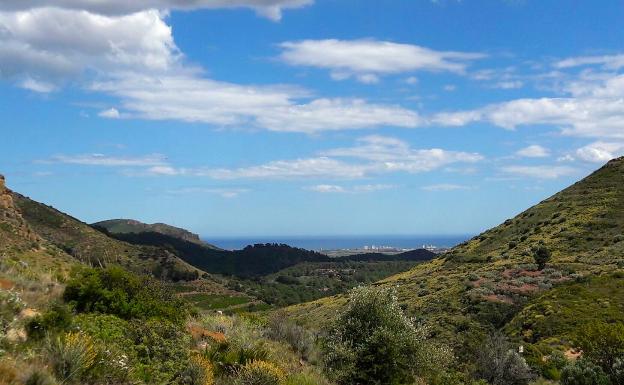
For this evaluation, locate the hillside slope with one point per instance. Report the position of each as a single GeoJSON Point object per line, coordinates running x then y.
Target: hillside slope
{"type": "Point", "coordinates": [30, 225]}
{"type": "Point", "coordinates": [487, 281]}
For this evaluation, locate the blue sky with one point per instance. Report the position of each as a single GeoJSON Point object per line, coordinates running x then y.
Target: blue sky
{"type": "Point", "coordinates": [308, 117]}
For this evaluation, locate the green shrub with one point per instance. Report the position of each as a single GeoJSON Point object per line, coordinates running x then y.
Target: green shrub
{"type": "Point", "coordinates": [161, 349]}
{"type": "Point", "coordinates": [374, 342]}
{"type": "Point", "coordinates": [116, 291]}
{"type": "Point", "coordinates": [541, 256]}
{"type": "Point", "coordinates": [583, 372]}
{"type": "Point", "coordinates": [260, 373]}
{"type": "Point", "coordinates": [57, 318]}
{"type": "Point", "coordinates": [602, 344]}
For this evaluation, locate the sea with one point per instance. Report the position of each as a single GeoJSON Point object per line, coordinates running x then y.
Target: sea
{"type": "Point", "coordinates": [342, 242]}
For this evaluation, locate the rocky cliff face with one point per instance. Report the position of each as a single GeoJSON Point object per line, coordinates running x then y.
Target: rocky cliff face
{"type": "Point", "coordinates": [15, 234]}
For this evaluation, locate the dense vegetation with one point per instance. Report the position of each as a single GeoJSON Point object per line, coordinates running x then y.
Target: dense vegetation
{"type": "Point", "coordinates": [309, 281]}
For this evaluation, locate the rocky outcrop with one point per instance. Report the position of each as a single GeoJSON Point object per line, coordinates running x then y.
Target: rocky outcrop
{"type": "Point", "coordinates": [15, 234]}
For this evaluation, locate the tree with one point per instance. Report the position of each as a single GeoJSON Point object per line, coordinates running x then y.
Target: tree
{"type": "Point", "coordinates": [542, 255]}
{"type": "Point", "coordinates": [499, 364]}
{"type": "Point", "coordinates": [583, 372]}
{"type": "Point", "coordinates": [374, 343]}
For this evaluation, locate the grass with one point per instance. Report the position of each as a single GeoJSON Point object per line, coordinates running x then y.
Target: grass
{"type": "Point", "coordinates": [215, 301]}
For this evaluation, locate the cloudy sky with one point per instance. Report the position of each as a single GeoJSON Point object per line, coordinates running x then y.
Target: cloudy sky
{"type": "Point", "coordinates": [308, 117]}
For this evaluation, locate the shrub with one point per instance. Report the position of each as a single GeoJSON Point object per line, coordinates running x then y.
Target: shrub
{"type": "Point", "coordinates": [541, 256]}
{"type": "Point", "coordinates": [161, 349]}
{"type": "Point", "coordinates": [197, 372]}
{"type": "Point", "coordinates": [499, 364]}
{"type": "Point", "coordinates": [40, 377]}
{"type": "Point", "coordinates": [71, 355]}
{"type": "Point", "coordinates": [602, 344]}
{"type": "Point", "coordinates": [56, 319]}
{"type": "Point", "coordinates": [116, 291]}
{"type": "Point", "coordinates": [300, 339]}
{"type": "Point", "coordinates": [260, 373]}
{"type": "Point", "coordinates": [583, 372]}
{"type": "Point", "coordinates": [374, 342]}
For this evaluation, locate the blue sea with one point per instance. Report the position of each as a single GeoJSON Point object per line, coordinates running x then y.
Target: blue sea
{"type": "Point", "coordinates": [342, 242]}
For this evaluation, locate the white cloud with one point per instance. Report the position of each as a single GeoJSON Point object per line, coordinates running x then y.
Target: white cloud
{"type": "Point", "coordinates": [539, 172]}
{"type": "Point", "coordinates": [600, 152]}
{"type": "Point", "coordinates": [391, 154]}
{"type": "Point", "coordinates": [594, 108]}
{"type": "Point", "coordinates": [111, 113]}
{"type": "Point", "coordinates": [37, 86]}
{"type": "Point", "coordinates": [533, 151]}
{"type": "Point", "coordinates": [368, 59]}
{"type": "Point", "coordinates": [367, 188]}
{"type": "Point", "coordinates": [276, 108]}
{"type": "Point", "coordinates": [52, 44]}
{"type": "Point", "coordinates": [155, 160]}
{"type": "Point", "coordinates": [509, 85]}
{"type": "Point", "coordinates": [445, 187]}
{"type": "Point", "coordinates": [373, 155]}
{"type": "Point", "coordinates": [271, 9]}
{"type": "Point", "coordinates": [223, 192]}
{"type": "Point", "coordinates": [611, 62]}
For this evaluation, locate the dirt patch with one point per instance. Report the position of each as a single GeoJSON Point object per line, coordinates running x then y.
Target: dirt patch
{"type": "Point", "coordinates": [6, 284]}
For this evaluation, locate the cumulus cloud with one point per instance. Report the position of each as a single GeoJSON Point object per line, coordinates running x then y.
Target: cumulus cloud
{"type": "Point", "coordinates": [267, 8]}
{"type": "Point", "coordinates": [111, 113]}
{"type": "Point", "coordinates": [533, 151]}
{"type": "Point", "coordinates": [366, 60]}
{"type": "Point", "coordinates": [539, 172]}
{"type": "Point", "coordinates": [600, 152]}
{"type": "Point", "coordinates": [593, 108]}
{"type": "Point", "coordinates": [52, 44]}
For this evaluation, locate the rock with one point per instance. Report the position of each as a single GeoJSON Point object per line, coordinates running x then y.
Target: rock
{"type": "Point", "coordinates": [16, 335]}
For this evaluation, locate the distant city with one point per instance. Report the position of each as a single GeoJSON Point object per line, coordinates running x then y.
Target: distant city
{"type": "Point", "coordinates": [351, 244]}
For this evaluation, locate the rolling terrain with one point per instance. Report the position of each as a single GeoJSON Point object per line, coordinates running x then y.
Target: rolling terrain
{"type": "Point", "coordinates": [492, 282]}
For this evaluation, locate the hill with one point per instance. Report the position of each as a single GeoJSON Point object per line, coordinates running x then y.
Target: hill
{"type": "Point", "coordinates": [125, 226]}
{"type": "Point", "coordinates": [251, 261]}
{"type": "Point", "coordinates": [492, 282]}
{"type": "Point", "coordinates": [30, 226]}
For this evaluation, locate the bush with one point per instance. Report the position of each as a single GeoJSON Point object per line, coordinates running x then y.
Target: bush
{"type": "Point", "coordinates": [374, 342]}
{"type": "Point", "coordinates": [300, 339]}
{"type": "Point", "coordinates": [40, 377]}
{"type": "Point", "coordinates": [603, 345]}
{"type": "Point", "coordinates": [72, 356]}
{"type": "Point", "coordinates": [260, 373]}
{"type": "Point", "coordinates": [583, 372]}
{"type": "Point", "coordinates": [499, 364]}
{"type": "Point", "coordinates": [541, 256]}
{"type": "Point", "coordinates": [116, 291]}
{"type": "Point", "coordinates": [161, 349]}
{"type": "Point", "coordinates": [198, 372]}
{"type": "Point", "coordinates": [56, 319]}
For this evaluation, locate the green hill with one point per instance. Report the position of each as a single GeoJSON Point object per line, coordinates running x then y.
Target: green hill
{"type": "Point", "coordinates": [125, 226]}
{"type": "Point", "coordinates": [491, 281]}
{"type": "Point", "coordinates": [29, 226]}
